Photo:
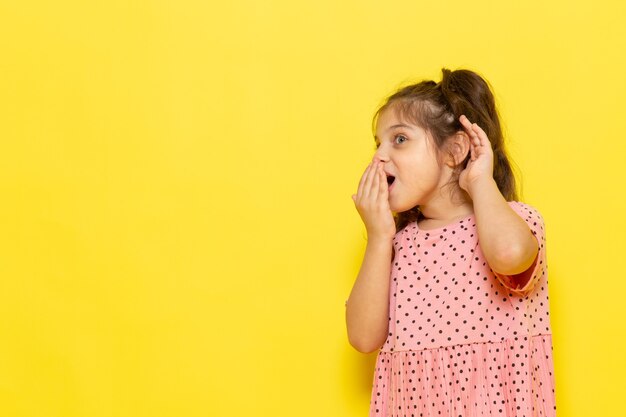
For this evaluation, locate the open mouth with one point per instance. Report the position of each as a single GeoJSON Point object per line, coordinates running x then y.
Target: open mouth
{"type": "Point", "coordinates": [390, 179]}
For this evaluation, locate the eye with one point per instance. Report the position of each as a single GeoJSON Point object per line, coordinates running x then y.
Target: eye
{"type": "Point", "coordinates": [397, 137]}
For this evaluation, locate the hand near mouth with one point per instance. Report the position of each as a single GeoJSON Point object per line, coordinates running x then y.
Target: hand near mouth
{"type": "Point", "coordinates": [372, 203]}
{"type": "Point", "coordinates": [480, 166]}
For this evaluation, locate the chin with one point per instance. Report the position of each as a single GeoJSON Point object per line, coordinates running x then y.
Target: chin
{"type": "Point", "coordinates": [398, 210]}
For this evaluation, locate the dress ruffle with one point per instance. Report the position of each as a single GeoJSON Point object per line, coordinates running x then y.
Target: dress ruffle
{"type": "Point", "coordinates": [505, 379]}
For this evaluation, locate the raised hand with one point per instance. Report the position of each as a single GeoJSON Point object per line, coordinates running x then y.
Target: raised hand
{"type": "Point", "coordinates": [372, 202]}
{"type": "Point", "coordinates": [480, 166]}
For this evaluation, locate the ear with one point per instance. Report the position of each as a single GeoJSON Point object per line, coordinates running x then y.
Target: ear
{"type": "Point", "coordinates": [458, 149]}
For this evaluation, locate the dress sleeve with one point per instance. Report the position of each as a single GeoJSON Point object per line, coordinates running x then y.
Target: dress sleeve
{"type": "Point", "coordinates": [524, 282]}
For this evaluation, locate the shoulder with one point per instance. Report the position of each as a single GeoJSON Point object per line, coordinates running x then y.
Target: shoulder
{"type": "Point", "coordinates": [406, 229]}
{"type": "Point", "coordinates": [531, 216]}
{"type": "Point", "coordinates": [525, 210]}
{"type": "Point", "coordinates": [403, 235]}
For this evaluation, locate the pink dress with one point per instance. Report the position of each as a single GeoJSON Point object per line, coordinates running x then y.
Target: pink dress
{"type": "Point", "coordinates": [462, 340]}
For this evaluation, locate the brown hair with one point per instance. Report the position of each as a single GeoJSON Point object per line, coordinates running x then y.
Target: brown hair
{"type": "Point", "coordinates": [436, 107]}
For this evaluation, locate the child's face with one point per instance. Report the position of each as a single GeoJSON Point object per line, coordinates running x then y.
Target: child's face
{"type": "Point", "coordinates": [409, 155]}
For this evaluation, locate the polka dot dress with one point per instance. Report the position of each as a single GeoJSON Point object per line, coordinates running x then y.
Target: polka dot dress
{"type": "Point", "coordinates": [464, 341]}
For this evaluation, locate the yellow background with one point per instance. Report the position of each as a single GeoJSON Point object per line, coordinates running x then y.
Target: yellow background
{"type": "Point", "coordinates": [178, 236]}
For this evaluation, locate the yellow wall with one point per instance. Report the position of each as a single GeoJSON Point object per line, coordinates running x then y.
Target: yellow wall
{"type": "Point", "coordinates": [177, 232]}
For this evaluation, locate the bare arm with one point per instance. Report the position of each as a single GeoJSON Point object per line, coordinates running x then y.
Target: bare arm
{"type": "Point", "coordinates": [505, 239]}
{"type": "Point", "coordinates": [367, 309]}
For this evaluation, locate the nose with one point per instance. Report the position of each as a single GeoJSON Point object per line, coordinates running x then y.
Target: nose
{"type": "Point", "coordinates": [380, 156]}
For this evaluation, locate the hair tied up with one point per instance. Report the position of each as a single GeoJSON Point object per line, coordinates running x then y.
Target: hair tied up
{"type": "Point", "coordinates": [445, 80]}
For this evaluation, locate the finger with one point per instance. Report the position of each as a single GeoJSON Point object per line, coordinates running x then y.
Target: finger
{"type": "Point", "coordinates": [469, 128]}
{"type": "Point", "coordinates": [375, 183]}
{"type": "Point", "coordinates": [367, 187]}
{"type": "Point", "coordinates": [362, 182]}
{"type": "Point", "coordinates": [475, 134]}
{"type": "Point", "coordinates": [384, 188]}
{"type": "Point", "coordinates": [484, 139]}
{"type": "Point", "coordinates": [485, 146]}
{"type": "Point", "coordinates": [465, 122]}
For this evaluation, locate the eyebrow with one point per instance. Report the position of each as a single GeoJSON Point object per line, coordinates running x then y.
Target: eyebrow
{"type": "Point", "coordinates": [390, 128]}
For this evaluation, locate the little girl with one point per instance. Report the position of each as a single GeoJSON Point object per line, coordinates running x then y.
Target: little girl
{"type": "Point", "coordinates": [453, 288]}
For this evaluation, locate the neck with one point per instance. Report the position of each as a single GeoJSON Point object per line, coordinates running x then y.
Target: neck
{"type": "Point", "coordinates": [445, 210]}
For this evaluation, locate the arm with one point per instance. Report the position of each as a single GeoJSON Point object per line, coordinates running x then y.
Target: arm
{"type": "Point", "coordinates": [368, 305]}
{"type": "Point", "coordinates": [367, 309]}
{"type": "Point", "coordinates": [504, 237]}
